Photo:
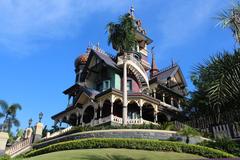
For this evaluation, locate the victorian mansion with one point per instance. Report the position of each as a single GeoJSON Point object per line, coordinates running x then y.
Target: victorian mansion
{"type": "Point", "coordinates": [98, 98]}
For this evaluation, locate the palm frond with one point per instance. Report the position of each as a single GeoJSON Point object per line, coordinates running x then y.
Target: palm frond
{"type": "Point", "coordinates": [12, 110]}
{"type": "Point", "coordinates": [4, 106]}
{"type": "Point", "coordinates": [2, 115]}
{"type": "Point", "coordinates": [16, 122]}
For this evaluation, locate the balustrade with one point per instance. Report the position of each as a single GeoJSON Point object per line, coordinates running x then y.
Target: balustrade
{"type": "Point", "coordinates": [18, 146]}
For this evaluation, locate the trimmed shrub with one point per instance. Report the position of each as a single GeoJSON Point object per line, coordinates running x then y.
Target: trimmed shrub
{"type": "Point", "coordinates": [143, 144]}
{"type": "Point", "coordinates": [5, 157]}
{"type": "Point", "coordinates": [224, 144]}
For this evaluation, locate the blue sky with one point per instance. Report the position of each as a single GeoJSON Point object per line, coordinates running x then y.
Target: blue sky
{"type": "Point", "coordinates": [40, 39]}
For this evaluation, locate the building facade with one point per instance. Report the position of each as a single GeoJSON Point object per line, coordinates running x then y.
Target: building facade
{"type": "Point", "coordinates": [123, 89]}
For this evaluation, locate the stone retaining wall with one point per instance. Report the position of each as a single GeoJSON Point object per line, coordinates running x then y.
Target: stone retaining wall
{"type": "Point", "coordinates": [116, 133]}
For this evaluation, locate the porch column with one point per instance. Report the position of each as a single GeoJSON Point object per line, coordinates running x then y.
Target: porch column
{"type": "Point", "coordinates": [172, 102]}
{"type": "Point", "coordinates": [111, 108]}
{"type": "Point", "coordinates": [155, 114]}
{"type": "Point", "coordinates": [69, 97]}
{"type": "Point", "coordinates": [155, 117]}
{"type": "Point", "coordinates": [100, 112]}
{"type": "Point", "coordinates": [163, 97]}
{"type": "Point", "coordinates": [78, 120]}
{"type": "Point", "coordinates": [179, 103]}
{"type": "Point", "coordinates": [154, 93]}
{"type": "Point", "coordinates": [60, 122]}
{"type": "Point", "coordinates": [140, 111]}
{"type": "Point", "coordinates": [81, 120]}
{"type": "Point", "coordinates": [95, 113]}
{"type": "Point", "coordinates": [124, 92]}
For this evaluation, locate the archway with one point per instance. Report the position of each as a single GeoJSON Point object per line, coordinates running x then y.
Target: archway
{"type": "Point", "coordinates": [148, 112]}
{"type": "Point", "coordinates": [118, 108]}
{"type": "Point", "coordinates": [161, 118]}
{"type": "Point", "coordinates": [88, 114]}
{"type": "Point", "coordinates": [73, 119]}
{"type": "Point", "coordinates": [133, 110]}
{"type": "Point", "coordinates": [106, 108]}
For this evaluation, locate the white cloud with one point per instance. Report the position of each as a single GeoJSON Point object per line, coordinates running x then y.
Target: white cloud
{"type": "Point", "coordinates": [25, 22]}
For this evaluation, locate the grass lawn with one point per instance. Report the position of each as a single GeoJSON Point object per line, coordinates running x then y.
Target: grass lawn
{"type": "Point", "coordinates": [113, 154]}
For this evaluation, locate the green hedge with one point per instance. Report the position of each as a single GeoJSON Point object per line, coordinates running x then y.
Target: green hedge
{"type": "Point", "coordinates": [6, 157]}
{"type": "Point", "coordinates": [143, 144]}
{"type": "Point", "coordinates": [224, 144]}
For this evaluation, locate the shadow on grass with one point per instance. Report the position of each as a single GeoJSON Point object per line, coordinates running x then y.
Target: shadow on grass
{"type": "Point", "coordinates": [110, 157]}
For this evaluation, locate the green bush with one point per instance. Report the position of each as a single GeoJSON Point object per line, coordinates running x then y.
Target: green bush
{"type": "Point", "coordinates": [224, 144]}
{"type": "Point", "coordinates": [153, 145]}
{"type": "Point", "coordinates": [5, 157]}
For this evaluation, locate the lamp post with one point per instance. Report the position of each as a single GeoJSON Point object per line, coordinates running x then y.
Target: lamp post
{"type": "Point", "coordinates": [40, 117]}
{"type": "Point", "coordinates": [30, 122]}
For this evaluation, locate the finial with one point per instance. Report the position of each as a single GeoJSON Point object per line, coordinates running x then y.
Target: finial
{"type": "Point", "coordinates": [132, 10]}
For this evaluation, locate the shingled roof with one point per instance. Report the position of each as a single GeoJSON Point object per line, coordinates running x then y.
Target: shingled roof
{"type": "Point", "coordinates": [106, 58]}
{"type": "Point", "coordinates": [167, 72]}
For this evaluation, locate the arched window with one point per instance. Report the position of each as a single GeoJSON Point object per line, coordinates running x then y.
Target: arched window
{"type": "Point", "coordinates": [133, 110]}
{"type": "Point", "coordinates": [88, 114]}
{"type": "Point", "coordinates": [118, 108]}
{"type": "Point", "coordinates": [148, 112]}
{"type": "Point", "coordinates": [106, 108]}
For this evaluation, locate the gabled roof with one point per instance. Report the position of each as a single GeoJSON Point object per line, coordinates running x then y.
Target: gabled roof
{"type": "Point", "coordinates": [107, 59]}
{"type": "Point", "coordinates": [170, 71]}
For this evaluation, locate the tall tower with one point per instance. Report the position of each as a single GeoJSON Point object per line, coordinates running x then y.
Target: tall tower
{"type": "Point", "coordinates": [142, 42]}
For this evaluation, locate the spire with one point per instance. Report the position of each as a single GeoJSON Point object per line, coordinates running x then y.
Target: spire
{"type": "Point", "coordinates": [154, 70]}
{"type": "Point", "coordinates": [132, 10]}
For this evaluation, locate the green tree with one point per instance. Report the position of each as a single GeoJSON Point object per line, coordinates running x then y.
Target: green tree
{"type": "Point", "coordinates": [122, 35]}
{"type": "Point", "coordinates": [10, 112]}
{"type": "Point", "coordinates": [231, 19]}
{"type": "Point", "coordinates": [218, 84]}
{"type": "Point", "coordinates": [188, 132]}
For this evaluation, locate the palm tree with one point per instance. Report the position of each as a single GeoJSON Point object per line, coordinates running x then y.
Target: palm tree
{"type": "Point", "coordinates": [221, 79]}
{"type": "Point", "coordinates": [9, 112]}
{"type": "Point", "coordinates": [121, 35]}
{"type": "Point", "coordinates": [188, 132]}
{"type": "Point", "coordinates": [231, 19]}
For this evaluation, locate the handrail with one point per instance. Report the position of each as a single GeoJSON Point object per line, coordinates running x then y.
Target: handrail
{"type": "Point", "coordinates": [130, 57]}
{"type": "Point", "coordinates": [134, 63]}
{"type": "Point", "coordinates": [59, 132]}
{"type": "Point", "coordinates": [19, 146]}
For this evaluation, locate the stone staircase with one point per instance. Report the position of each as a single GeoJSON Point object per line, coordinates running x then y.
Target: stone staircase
{"type": "Point", "coordinates": [19, 147]}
